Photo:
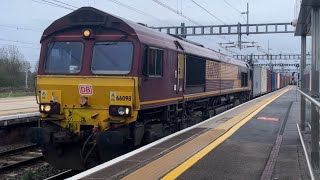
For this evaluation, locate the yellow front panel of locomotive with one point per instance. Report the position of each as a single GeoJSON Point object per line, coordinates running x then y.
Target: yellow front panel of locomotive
{"type": "Point", "coordinates": [124, 90]}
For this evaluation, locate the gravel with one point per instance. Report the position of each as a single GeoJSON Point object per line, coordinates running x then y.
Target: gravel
{"type": "Point", "coordinates": [37, 171]}
{"type": "Point", "coordinates": [10, 147]}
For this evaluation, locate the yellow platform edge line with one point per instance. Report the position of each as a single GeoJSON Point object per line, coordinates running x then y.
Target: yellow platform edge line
{"type": "Point", "coordinates": [195, 158]}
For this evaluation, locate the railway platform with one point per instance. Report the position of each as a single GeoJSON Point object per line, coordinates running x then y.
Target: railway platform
{"type": "Point", "coordinates": [256, 140]}
{"type": "Point", "coordinates": [18, 110]}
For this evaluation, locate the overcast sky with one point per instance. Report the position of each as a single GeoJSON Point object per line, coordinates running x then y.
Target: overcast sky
{"type": "Point", "coordinates": [30, 19]}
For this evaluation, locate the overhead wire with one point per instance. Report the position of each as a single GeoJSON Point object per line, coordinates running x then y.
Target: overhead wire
{"type": "Point", "coordinates": [259, 47]}
{"type": "Point", "coordinates": [28, 47]}
{"type": "Point", "coordinates": [16, 41]}
{"type": "Point", "coordinates": [71, 7]}
{"type": "Point", "coordinates": [177, 12]}
{"type": "Point", "coordinates": [208, 12]}
{"type": "Point", "coordinates": [62, 6]}
{"type": "Point", "coordinates": [211, 14]}
{"type": "Point", "coordinates": [40, 2]}
{"type": "Point", "coordinates": [65, 3]}
{"type": "Point", "coordinates": [146, 14]}
{"type": "Point", "coordinates": [52, 4]}
{"type": "Point", "coordinates": [189, 19]}
{"type": "Point", "coordinates": [235, 9]}
{"type": "Point", "coordinates": [139, 11]}
{"type": "Point", "coordinates": [19, 28]}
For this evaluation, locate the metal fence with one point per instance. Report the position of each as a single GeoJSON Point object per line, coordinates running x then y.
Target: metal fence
{"type": "Point", "coordinates": [308, 24]}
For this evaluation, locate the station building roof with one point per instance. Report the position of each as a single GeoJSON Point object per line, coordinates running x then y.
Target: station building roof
{"type": "Point", "coordinates": [304, 19]}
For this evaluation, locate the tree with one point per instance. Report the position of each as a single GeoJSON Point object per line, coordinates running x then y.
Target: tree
{"type": "Point", "coordinates": [12, 67]}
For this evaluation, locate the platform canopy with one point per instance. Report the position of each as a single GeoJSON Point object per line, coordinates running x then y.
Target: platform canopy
{"type": "Point", "coordinates": [304, 18]}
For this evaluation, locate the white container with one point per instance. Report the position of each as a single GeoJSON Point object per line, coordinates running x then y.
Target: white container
{"type": "Point", "coordinates": [256, 85]}
{"type": "Point", "coordinates": [264, 81]}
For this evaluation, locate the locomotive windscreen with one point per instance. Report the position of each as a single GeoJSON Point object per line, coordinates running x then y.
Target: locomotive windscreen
{"type": "Point", "coordinates": [112, 58]}
{"type": "Point", "coordinates": [63, 58]}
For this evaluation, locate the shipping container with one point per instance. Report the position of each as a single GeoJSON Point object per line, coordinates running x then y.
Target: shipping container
{"type": "Point", "coordinates": [280, 76]}
{"type": "Point", "coordinates": [273, 81]}
{"type": "Point", "coordinates": [263, 81]}
{"type": "Point", "coordinates": [278, 81]}
{"type": "Point", "coordinates": [256, 88]}
{"type": "Point", "coordinates": [285, 80]}
{"type": "Point", "coordinates": [269, 81]}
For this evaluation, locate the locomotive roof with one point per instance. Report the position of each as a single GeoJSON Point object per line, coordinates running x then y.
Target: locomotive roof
{"type": "Point", "coordinates": [88, 16]}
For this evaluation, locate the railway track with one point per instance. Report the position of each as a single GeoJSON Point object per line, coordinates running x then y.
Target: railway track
{"type": "Point", "coordinates": [63, 175]}
{"type": "Point", "coordinates": [19, 157]}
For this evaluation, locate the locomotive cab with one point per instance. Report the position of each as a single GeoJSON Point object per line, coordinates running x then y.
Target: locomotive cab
{"type": "Point", "coordinates": [86, 86]}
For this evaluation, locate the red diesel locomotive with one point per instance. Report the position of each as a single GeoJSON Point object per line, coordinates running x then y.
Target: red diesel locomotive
{"type": "Point", "coordinates": [105, 84]}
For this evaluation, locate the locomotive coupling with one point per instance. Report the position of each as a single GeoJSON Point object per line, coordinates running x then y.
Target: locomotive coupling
{"type": "Point", "coordinates": [109, 138]}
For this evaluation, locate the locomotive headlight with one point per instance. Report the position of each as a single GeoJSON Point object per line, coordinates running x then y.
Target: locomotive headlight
{"type": "Point", "coordinates": [127, 111]}
{"type": "Point", "coordinates": [47, 108]}
{"type": "Point", "coordinates": [42, 108]}
{"type": "Point", "coordinates": [50, 108]}
{"type": "Point", "coordinates": [86, 33]}
{"type": "Point", "coordinates": [121, 111]}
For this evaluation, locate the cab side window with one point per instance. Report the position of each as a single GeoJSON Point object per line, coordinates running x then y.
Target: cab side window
{"type": "Point", "coordinates": [244, 79]}
{"type": "Point", "coordinates": [153, 65]}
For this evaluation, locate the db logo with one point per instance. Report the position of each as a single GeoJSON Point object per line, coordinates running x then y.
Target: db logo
{"type": "Point", "coordinates": [85, 89]}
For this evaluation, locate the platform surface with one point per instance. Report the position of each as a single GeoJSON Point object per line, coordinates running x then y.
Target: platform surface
{"type": "Point", "coordinates": [19, 105]}
{"type": "Point", "coordinates": [246, 154]}
{"type": "Point", "coordinates": [256, 140]}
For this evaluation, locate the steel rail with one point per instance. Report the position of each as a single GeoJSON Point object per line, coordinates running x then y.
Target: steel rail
{"type": "Point", "coordinates": [13, 151]}
{"type": "Point", "coordinates": [21, 163]}
{"type": "Point", "coordinates": [306, 154]}
{"type": "Point", "coordinates": [17, 164]}
{"type": "Point", "coordinates": [309, 98]}
{"type": "Point", "coordinates": [63, 175]}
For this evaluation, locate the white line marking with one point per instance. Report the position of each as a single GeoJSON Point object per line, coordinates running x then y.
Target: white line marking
{"type": "Point", "coordinates": [19, 116]}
